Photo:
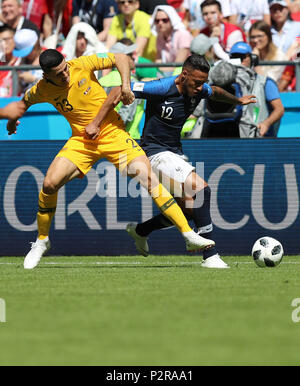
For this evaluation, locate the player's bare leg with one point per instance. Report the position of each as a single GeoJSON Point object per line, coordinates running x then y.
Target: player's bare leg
{"type": "Point", "coordinates": [59, 173]}
{"type": "Point", "coordinates": [140, 168]}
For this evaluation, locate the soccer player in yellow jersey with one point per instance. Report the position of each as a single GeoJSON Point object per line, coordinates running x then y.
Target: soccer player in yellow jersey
{"type": "Point", "coordinates": [73, 89]}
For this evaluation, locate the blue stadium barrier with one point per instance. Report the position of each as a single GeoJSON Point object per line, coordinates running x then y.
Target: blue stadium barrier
{"type": "Point", "coordinates": [254, 193]}
{"type": "Point", "coordinates": [289, 125]}
{"type": "Point", "coordinates": [42, 121]}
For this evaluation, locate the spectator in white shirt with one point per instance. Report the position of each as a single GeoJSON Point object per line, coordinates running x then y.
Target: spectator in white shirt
{"type": "Point", "coordinates": [284, 30]}
{"type": "Point", "coordinates": [260, 37]}
{"type": "Point", "coordinates": [246, 12]}
{"type": "Point", "coordinates": [82, 40]}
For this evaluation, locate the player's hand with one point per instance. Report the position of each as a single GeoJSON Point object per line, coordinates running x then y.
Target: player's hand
{"type": "Point", "coordinates": [247, 99]}
{"type": "Point", "coordinates": [13, 110]}
{"type": "Point", "coordinates": [102, 36]}
{"type": "Point", "coordinates": [12, 126]}
{"type": "Point", "coordinates": [263, 129]}
{"type": "Point", "coordinates": [216, 31]}
{"type": "Point", "coordinates": [127, 96]}
{"type": "Point", "coordinates": [92, 131]}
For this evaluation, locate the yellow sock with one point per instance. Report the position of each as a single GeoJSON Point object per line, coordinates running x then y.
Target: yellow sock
{"type": "Point", "coordinates": [47, 207]}
{"type": "Point", "coordinates": [169, 208]}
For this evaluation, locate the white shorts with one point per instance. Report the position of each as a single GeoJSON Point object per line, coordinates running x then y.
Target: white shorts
{"type": "Point", "coordinates": [172, 170]}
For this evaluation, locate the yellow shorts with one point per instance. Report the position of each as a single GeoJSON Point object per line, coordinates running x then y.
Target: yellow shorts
{"type": "Point", "coordinates": [116, 146]}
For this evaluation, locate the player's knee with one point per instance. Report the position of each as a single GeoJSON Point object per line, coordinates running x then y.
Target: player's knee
{"type": "Point", "coordinates": [193, 185]}
{"type": "Point", "coordinates": [199, 185]}
{"type": "Point", "coordinates": [140, 170]}
{"type": "Point", "coordinates": [49, 187]}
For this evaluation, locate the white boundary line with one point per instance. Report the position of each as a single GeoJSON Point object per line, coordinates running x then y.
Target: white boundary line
{"type": "Point", "coordinates": [91, 263]}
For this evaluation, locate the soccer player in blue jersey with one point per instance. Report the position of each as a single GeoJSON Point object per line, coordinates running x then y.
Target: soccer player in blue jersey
{"type": "Point", "coordinates": [170, 101]}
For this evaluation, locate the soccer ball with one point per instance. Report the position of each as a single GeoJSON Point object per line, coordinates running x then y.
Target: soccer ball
{"type": "Point", "coordinates": [267, 252]}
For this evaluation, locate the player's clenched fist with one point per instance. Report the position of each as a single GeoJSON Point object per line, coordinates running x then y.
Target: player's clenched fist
{"type": "Point", "coordinates": [127, 97]}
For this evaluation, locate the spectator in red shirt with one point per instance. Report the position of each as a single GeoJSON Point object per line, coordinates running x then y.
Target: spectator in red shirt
{"type": "Point", "coordinates": [7, 46]}
{"type": "Point", "coordinates": [55, 7]}
{"type": "Point", "coordinates": [175, 3]}
{"type": "Point", "coordinates": [294, 8]}
{"type": "Point", "coordinates": [12, 15]}
{"type": "Point", "coordinates": [287, 81]}
{"type": "Point", "coordinates": [37, 11]}
{"type": "Point", "coordinates": [227, 33]}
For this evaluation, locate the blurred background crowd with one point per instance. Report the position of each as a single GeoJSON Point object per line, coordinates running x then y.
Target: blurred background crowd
{"type": "Point", "coordinates": [160, 31]}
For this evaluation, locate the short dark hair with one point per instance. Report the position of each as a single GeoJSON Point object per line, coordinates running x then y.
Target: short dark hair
{"type": "Point", "coordinates": [197, 62]}
{"type": "Point", "coordinates": [80, 35]}
{"type": "Point", "coordinates": [49, 59]}
{"type": "Point", "coordinates": [126, 41]}
{"type": "Point", "coordinates": [211, 2]}
{"type": "Point", "coordinates": [6, 27]}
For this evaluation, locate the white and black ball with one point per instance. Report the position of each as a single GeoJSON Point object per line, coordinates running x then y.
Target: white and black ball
{"type": "Point", "coordinates": [267, 252]}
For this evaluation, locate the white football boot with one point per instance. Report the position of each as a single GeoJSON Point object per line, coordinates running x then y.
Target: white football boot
{"type": "Point", "coordinates": [38, 249]}
{"type": "Point", "coordinates": [195, 242]}
{"type": "Point", "coordinates": [140, 242]}
{"type": "Point", "coordinates": [214, 262]}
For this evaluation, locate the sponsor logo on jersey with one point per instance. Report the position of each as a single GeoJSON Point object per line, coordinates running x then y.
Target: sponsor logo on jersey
{"type": "Point", "coordinates": [82, 82]}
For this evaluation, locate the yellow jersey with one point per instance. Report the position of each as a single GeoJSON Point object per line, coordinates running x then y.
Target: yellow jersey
{"type": "Point", "coordinates": [79, 101]}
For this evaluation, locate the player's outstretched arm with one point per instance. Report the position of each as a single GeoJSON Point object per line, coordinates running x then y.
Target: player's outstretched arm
{"type": "Point", "coordinates": [221, 95]}
{"type": "Point", "coordinates": [13, 123]}
{"type": "Point", "coordinates": [12, 111]}
{"type": "Point", "coordinates": [92, 130]}
{"type": "Point", "coordinates": [123, 66]}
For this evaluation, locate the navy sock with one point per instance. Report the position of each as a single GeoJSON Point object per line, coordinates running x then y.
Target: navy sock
{"type": "Point", "coordinates": [202, 219]}
{"type": "Point", "coordinates": [155, 223]}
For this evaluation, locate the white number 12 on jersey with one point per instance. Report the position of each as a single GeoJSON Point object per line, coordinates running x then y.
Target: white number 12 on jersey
{"type": "Point", "coordinates": [167, 112]}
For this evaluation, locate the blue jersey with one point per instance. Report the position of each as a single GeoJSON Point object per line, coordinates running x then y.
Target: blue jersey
{"type": "Point", "coordinates": [166, 112]}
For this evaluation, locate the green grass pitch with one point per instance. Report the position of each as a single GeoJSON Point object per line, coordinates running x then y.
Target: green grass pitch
{"type": "Point", "coordinates": [161, 310]}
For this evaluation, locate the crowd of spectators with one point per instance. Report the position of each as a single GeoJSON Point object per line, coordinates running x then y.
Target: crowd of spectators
{"type": "Point", "coordinates": [162, 31]}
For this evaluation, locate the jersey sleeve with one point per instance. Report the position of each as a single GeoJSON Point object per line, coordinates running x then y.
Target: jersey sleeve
{"type": "Point", "coordinates": [95, 62]}
{"type": "Point", "coordinates": [34, 95]}
{"type": "Point", "coordinates": [271, 90]}
{"type": "Point", "coordinates": [155, 88]}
